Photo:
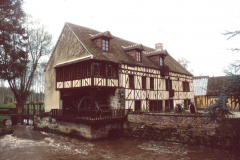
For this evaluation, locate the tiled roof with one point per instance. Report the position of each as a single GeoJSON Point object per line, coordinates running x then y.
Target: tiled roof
{"type": "Point", "coordinates": [85, 35]}
{"type": "Point", "coordinates": [215, 85]}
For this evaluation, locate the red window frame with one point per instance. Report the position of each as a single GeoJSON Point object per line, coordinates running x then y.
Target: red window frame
{"type": "Point", "coordinates": [111, 71]}
{"type": "Point", "coordinates": [77, 71]}
{"type": "Point", "coordinates": [99, 69]}
{"type": "Point", "coordinates": [105, 45]}
{"type": "Point", "coordinates": [87, 69]}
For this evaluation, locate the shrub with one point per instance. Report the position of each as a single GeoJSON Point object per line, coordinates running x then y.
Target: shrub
{"type": "Point", "coordinates": [11, 105]}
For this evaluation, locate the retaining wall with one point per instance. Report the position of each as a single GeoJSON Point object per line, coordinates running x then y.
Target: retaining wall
{"type": "Point", "coordinates": [191, 129]}
{"type": "Point", "coordinates": [87, 130]}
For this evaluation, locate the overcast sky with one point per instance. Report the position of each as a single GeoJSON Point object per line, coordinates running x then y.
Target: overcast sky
{"type": "Point", "coordinates": [187, 28]}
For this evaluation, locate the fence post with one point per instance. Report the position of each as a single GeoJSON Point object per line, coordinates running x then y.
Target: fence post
{"type": "Point", "coordinates": [22, 108]}
{"type": "Point", "coordinates": [28, 109]}
{"type": "Point", "coordinates": [16, 110]}
{"type": "Point", "coordinates": [33, 105]}
{"type": "Point", "coordinates": [39, 112]}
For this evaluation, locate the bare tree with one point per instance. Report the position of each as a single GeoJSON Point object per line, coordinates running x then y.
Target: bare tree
{"type": "Point", "coordinates": [184, 62]}
{"type": "Point", "coordinates": [38, 44]}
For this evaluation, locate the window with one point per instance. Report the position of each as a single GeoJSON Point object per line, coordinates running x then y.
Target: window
{"type": "Point", "coordinates": [168, 84]}
{"type": "Point", "coordinates": [151, 83]}
{"type": "Point", "coordinates": [99, 69]}
{"type": "Point", "coordinates": [137, 106]}
{"type": "Point", "coordinates": [87, 69]}
{"type": "Point", "coordinates": [138, 56]}
{"type": "Point", "coordinates": [111, 71]}
{"type": "Point", "coordinates": [185, 86]}
{"type": "Point", "coordinates": [131, 81]}
{"type": "Point", "coordinates": [143, 82]}
{"type": "Point", "coordinates": [68, 73]}
{"type": "Point", "coordinates": [160, 61]}
{"type": "Point", "coordinates": [155, 105]}
{"type": "Point", "coordinates": [105, 45]}
{"type": "Point", "coordinates": [77, 71]}
{"type": "Point", "coordinates": [60, 74]}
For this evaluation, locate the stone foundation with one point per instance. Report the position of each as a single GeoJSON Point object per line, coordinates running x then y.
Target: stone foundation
{"type": "Point", "coordinates": [89, 131]}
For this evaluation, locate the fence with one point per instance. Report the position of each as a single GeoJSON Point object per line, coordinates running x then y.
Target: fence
{"type": "Point", "coordinates": [87, 114]}
{"type": "Point", "coordinates": [29, 109]}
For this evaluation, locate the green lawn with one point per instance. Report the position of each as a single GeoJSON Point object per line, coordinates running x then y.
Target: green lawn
{"type": "Point", "coordinates": [5, 106]}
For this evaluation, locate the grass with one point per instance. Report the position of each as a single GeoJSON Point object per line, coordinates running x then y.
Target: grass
{"type": "Point", "coordinates": [5, 106]}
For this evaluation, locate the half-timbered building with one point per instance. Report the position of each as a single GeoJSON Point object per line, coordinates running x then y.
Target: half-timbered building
{"type": "Point", "coordinates": [208, 89]}
{"type": "Point", "coordinates": [97, 70]}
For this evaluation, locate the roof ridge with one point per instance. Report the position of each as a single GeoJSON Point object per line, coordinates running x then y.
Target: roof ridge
{"type": "Point", "coordinates": [133, 45]}
{"type": "Point", "coordinates": [83, 27]}
{"type": "Point", "coordinates": [156, 51]}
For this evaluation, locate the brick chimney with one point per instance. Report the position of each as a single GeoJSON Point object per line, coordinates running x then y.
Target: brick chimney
{"type": "Point", "coordinates": [158, 46]}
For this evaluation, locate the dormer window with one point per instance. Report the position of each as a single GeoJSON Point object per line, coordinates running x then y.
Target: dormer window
{"type": "Point", "coordinates": [160, 61]}
{"type": "Point", "coordinates": [102, 40]}
{"type": "Point", "coordinates": [138, 56]}
{"type": "Point", "coordinates": [135, 51]}
{"type": "Point", "coordinates": [105, 45]}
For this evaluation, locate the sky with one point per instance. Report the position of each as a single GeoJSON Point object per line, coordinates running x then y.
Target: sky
{"type": "Point", "coordinates": [190, 29]}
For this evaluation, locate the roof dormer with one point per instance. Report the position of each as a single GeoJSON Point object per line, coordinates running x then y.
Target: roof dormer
{"type": "Point", "coordinates": [158, 56]}
{"type": "Point", "coordinates": [134, 51]}
{"type": "Point", "coordinates": [102, 40]}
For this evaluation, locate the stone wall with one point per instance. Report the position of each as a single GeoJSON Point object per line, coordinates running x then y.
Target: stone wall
{"type": "Point", "coordinates": [89, 131]}
{"type": "Point", "coordinates": [184, 129]}
{"type": "Point", "coordinates": [173, 120]}
{"type": "Point", "coordinates": [117, 101]}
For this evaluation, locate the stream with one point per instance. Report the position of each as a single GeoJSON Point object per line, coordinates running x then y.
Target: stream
{"type": "Point", "coordinates": [28, 144]}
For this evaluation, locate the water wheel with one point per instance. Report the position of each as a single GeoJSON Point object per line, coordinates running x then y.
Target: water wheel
{"type": "Point", "coordinates": [85, 103]}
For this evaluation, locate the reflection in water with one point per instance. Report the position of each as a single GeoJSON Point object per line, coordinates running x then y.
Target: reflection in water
{"type": "Point", "coordinates": [25, 143]}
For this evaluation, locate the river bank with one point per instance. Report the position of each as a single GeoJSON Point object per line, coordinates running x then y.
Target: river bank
{"type": "Point", "coordinates": [186, 129]}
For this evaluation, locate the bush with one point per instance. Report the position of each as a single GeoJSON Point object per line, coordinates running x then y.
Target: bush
{"type": "Point", "coordinates": [11, 105]}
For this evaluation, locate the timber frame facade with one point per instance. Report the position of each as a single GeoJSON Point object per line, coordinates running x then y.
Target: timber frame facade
{"type": "Point", "coordinates": [95, 70]}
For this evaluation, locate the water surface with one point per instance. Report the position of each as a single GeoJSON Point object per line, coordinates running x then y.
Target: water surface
{"type": "Point", "coordinates": [26, 143]}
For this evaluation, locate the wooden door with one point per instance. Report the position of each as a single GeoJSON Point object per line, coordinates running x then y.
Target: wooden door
{"type": "Point", "coordinates": [137, 106]}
